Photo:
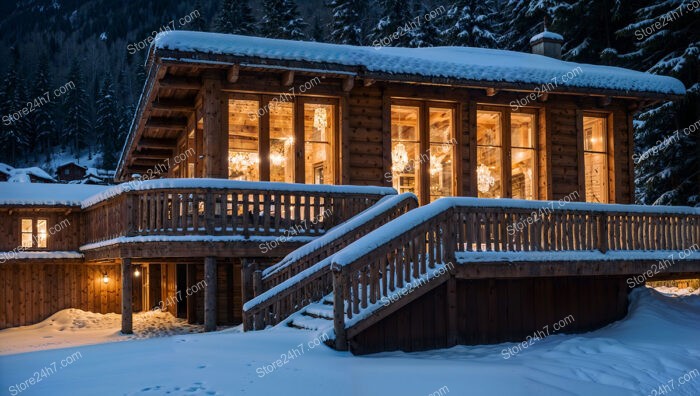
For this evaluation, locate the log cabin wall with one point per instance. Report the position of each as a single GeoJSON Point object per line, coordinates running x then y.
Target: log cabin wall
{"type": "Point", "coordinates": [31, 292]}
{"type": "Point", "coordinates": [63, 226]}
{"type": "Point", "coordinates": [492, 311]}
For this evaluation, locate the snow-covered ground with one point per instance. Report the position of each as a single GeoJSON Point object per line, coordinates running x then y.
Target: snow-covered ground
{"type": "Point", "coordinates": [657, 345]}
{"type": "Point", "coordinates": [75, 327]}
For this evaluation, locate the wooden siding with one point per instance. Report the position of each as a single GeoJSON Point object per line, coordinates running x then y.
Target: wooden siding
{"type": "Point", "coordinates": [66, 222]}
{"type": "Point", "coordinates": [33, 292]}
{"type": "Point", "coordinates": [492, 311]}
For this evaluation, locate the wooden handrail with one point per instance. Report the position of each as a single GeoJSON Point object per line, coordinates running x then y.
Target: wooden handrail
{"type": "Point", "coordinates": [271, 209]}
{"type": "Point", "coordinates": [305, 277]}
{"type": "Point", "coordinates": [411, 247]}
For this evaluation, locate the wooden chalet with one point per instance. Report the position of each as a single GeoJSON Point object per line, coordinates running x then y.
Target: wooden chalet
{"type": "Point", "coordinates": [315, 181]}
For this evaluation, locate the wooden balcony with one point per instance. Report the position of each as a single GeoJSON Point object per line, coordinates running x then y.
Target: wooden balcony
{"type": "Point", "coordinates": [212, 210]}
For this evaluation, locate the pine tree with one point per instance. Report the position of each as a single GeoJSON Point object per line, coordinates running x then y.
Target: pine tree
{"type": "Point", "coordinates": [589, 28]}
{"type": "Point", "coordinates": [317, 33]}
{"type": "Point", "coordinates": [349, 25]}
{"type": "Point", "coordinates": [397, 27]}
{"type": "Point", "coordinates": [234, 17]}
{"type": "Point", "coordinates": [525, 20]}
{"type": "Point", "coordinates": [429, 32]}
{"type": "Point", "coordinates": [76, 109]}
{"type": "Point", "coordinates": [668, 169]}
{"type": "Point", "coordinates": [471, 23]}
{"type": "Point", "coordinates": [41, 121]}
{"type": "Point", "coordinates": [198, 24]}
{"type": "Point", "coordinates": [107, 124]}
{"type": "Point", "coordinates": [13, 137]}
{"type": "Point", "coordinates": [281, 20]}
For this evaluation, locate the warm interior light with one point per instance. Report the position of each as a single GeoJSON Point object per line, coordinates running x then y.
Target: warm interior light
{"type": "Point", "coordinates": [399, 158]}
{"type": "Point", "coordinates": [435, 165]}
{"type": "Point", "coordinates": [105, 278]}
{"type": "Point", "coordinates": [137, 273]}
{"type": "Point", "coordinates": [484, 178]}
{"type": "Point", "coordinates": [320, 118]}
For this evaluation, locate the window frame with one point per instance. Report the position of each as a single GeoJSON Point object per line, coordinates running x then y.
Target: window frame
{"type": "Point", "coordinates": [34, 232]}
{"type": "Point", "coordinates": [424, 106]}
{"type": "Point", "coordinates": [609, 152]}
{"type": "Point", "coordinates": [264, 100]}
{"type": "Point", "coordinates": [507, 147]}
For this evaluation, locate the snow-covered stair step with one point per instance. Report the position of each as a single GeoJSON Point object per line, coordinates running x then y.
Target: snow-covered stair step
{"type": "Point", "coordinates": [320, 310]}
{"type": "Point", "coordinates": [307, 322]}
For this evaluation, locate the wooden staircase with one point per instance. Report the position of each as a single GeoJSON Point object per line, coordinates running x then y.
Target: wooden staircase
{"type": "Point", "coordinates": [454, 241]}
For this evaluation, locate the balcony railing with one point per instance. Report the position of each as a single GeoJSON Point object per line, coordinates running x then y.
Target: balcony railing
{"type": "Point", "coordinates": [223, 207]}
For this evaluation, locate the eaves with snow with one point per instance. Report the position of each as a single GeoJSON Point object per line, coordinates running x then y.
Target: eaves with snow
{"type": "Point", "coordinates": [460, 66]}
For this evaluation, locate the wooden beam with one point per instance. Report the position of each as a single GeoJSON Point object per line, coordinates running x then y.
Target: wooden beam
{"type": "Point", "coordinates": [604, 101]}
{"type": "Point", "coordinates": [183, 105]}
{"type": "Point", "coordinates": [184, 83]}
{"type": "Point", "coordinates": [163, 144]}
{"type": "Point", "coordinates": [348, 84]}
{"type": "Point", "coordinates": [491, 91]}
{"type": "Point", "coordinates": [151, 155]}
{"type": "Point", "coordinates": [544, 96]}
{"type": "Point", "coordinates": [233, 73]}
{"type": "Point", "coordinates": [210, 294]}
{"type": "Point", "coordinates": [369, 82]}
{"type": "Point", "coordinates": [287, 78]}
{"type": "Point", "coordinates": [166, 123]}
{"type": "Point", "coordinates": [127, 285]}
{"type": "Point", "coordinates": [215, 143]}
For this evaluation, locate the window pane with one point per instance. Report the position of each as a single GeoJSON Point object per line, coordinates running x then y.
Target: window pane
{"type": "Point", "coordinates": [27, 240]}
{"type": "Point", "coordinates": [41, 233]}
{"type": "Point", "coordinates": [522, 130]}
{"type": "Point", "coordinates": [596, 174]}
{"type": "Point", "coordinates": [594, 134]}
{"type": "Point", "coordinates": [441, 152]}
{"type": "Point", "coordinates": [282, 142]}
{"type": "Point", "coordinates": [27, 225]}
{"type": "Point", "coordinates": [489, 130]}
{"type": "Point", "coordinates": [405, 149]}
{"type": "Point", "coordinates": [319, 127]}
{"type": "Point", "coordinates": [243, 140]}
{"type": "Point", "coordinates": [488, 172]}
{"type": "Point", "coordinates": [523, 173]}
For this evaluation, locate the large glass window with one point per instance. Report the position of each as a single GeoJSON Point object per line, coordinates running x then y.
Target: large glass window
{"type": "Point", "coordinates": [506, 154]}
{"type": "Point", "coordinates": [489, 152]}
{"type": "Point", "coordinates": [522, 142]}
{"type": "Point", "coordinates": [441, 152]}
{"type": "Point", "coordinates": [595, 152]}
{"type": "Point", "coordinates": [282, 142]}
{"type": "Point", "coordinates": [243, 142]}
{"type": "Point", "coordinates": [319, 127]}
{"type": "Point", "coordinates": [405, 149]}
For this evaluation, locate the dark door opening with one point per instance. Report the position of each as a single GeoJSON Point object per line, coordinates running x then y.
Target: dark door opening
{"type": "Point", "coordinates": [182, 289]}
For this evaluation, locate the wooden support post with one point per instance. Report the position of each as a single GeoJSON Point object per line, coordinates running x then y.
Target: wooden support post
{"type": "Point", "coordinates": [257, 283]}
{"type": "Point", "coordinates": [210, 294]}
{"type": "Point", "coordinates": [348, 83]}
{"type": "Point", "coordinates": [191, 302]}
{"type": "Point", "coordinates": [247, 269]}
{"type": "Point", "coordinates": [288, 78]}
{"type": "Point", "coordinates": [341, 342]}
{"type": "Point", "coordinates": [127, 288]}
{"type": "Point", "coordinates": [452, 330]}
{"type": "Point", "coordinates": [215, 143]}
{"type": "Point", "coordinates": [232, 73]}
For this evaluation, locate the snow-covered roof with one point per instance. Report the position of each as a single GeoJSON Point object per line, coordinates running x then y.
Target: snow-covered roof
{"type": "Point", "coordinates": [46, 194]}
{"type": "Point", "coordinates": [6, 169]}
{"type": "Point", "coordinates": [548, 35]}
{"type": "Point", "coordinates": [458, 63]}
{"type": "Point", "coordinates": [71, 163]}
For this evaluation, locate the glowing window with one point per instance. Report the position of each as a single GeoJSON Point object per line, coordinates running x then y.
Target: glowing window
{"type": "Point", "coordinates": [243, 144]}
{"type": "Point", "coordinates": [489, 152]}
{"type": "Point", "coordinates": [595, 158]}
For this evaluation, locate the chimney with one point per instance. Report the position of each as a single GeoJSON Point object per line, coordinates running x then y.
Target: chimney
{"type": "Point", "coordinates": [547, 44]}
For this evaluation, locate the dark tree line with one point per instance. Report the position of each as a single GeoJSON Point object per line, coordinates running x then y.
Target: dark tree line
{"type": "Point", "coordinates": [94, 117]}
